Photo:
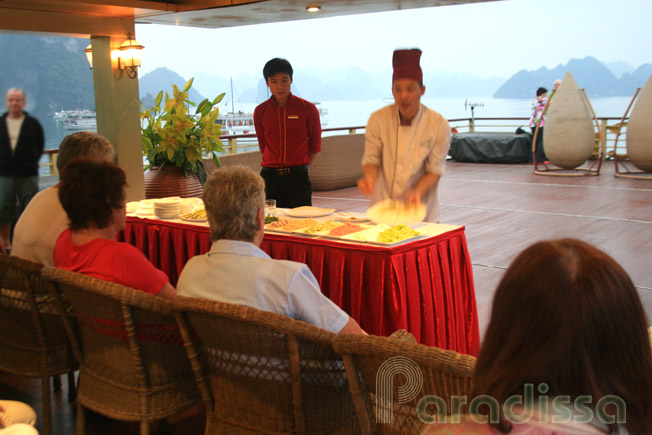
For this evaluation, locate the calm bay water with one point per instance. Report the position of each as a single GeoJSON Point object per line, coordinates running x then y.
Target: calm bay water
{"type": "Point", "coordinates": [356, 113]}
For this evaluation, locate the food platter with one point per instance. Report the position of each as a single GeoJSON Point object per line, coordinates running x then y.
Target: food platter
{"type": "Point", "coordinates": [307, 211]}
{"type": "Point", "coordinates": [367, 233]}
{"type": "Point", "coordinates": [192, 220]}
{"type": "Point", "coordinates": [195, 216]}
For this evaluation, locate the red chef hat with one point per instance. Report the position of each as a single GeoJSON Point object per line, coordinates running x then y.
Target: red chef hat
{"type": "Point", "coordinates": [406, 65]}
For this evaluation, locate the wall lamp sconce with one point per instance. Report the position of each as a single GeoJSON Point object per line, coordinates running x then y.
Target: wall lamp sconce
{"type": "Point", "coordinates": [89, 55]}
{"type": "Point", "coordinates": [313, 8]}
{"type": "Point", "coordinates": [129, 55]}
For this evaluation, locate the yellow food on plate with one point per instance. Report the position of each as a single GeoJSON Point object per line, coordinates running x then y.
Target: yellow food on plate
{"type": "Point", "coordinates": [322, 227]}
{"type": "Point", "coordinates": [196, 215]}
{"type": "Point", "coordinates": [396, 234]}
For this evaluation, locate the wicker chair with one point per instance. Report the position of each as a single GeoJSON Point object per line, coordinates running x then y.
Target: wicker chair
{"type": "Point", "coordinates": [260, 372]}
{"type": "Point", "coordinates": [33, 342]}
{"type": "Point", "coordinates": [384, 379]}
{"type": "Point", "coordinates": [133, 365]}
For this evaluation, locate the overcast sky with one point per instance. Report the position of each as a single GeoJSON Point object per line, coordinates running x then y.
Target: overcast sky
{"type": "Point", "coordinates": [489, 39]}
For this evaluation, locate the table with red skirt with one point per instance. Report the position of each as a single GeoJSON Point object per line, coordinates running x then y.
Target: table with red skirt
{"type": "Point", "coordinates": [424, 286]}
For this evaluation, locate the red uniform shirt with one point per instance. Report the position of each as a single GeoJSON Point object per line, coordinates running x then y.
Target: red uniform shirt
{"type": "Point", "coordinates": [287, 134]}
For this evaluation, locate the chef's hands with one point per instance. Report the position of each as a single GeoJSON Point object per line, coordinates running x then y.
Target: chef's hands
{"type": "Point", "coordinates": [413, 199]}
{"type": "Point", "coordinates": [366, 185]}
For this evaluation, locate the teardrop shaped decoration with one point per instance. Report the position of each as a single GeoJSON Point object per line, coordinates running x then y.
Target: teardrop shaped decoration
{"type": "Point", "coordinates": [170, 181]}
{"type": "Point", "coordinates": [639, 133]}
{"type": "Point", "coordinates": [568, 136]}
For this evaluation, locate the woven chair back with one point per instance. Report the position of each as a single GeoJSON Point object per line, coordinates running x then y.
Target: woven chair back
{"type": "Point", "coordinates": [390, 379]}
{"type": "Point", "coordinates": [133, 362]}
{"type": "Point", "coordinates": [33, 341]}
{"type": "Point", "coordinates": [262, 372]}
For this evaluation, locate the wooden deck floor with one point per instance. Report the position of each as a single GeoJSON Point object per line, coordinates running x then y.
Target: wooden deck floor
{"type": "Point", "coordinates": [505, 208]}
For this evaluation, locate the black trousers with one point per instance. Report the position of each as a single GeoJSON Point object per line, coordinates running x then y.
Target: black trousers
{"type": "Point", "coordinates": [289, 191]}
{"type": "Point", "coordinates": [541, 156]}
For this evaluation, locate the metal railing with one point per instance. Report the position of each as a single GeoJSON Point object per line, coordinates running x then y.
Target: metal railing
{"type": "Point", "coordinates": [609, 130]}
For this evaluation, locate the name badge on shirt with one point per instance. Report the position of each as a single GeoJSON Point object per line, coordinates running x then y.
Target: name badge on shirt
{"type": "Point", "coordinates": [293, 116]}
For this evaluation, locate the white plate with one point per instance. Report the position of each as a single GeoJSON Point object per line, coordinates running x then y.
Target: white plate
{"type": "Point", "coordinates": [308, 211]}
{"type": "Point", "coordinates": [351, 217]}
{"type": "Point", "coordinates": [393, 212]}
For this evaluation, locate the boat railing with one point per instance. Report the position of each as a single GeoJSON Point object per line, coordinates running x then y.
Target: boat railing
{"type": "Point", "coordinates": [238, 143]}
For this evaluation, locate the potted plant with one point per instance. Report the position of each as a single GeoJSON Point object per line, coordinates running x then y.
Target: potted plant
{"type": "Point", "coordinates": [175, 140]}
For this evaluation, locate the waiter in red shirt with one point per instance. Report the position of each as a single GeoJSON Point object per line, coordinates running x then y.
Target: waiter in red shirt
{"type": "Point", "coordinates": [289, 136]}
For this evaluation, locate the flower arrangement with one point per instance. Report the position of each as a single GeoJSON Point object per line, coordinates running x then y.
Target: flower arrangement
{"type": "Point", "coordinates": [173, 136]}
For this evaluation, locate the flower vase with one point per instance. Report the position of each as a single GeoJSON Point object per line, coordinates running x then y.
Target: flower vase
{"type": "Point", "coordinates": [171, 181]}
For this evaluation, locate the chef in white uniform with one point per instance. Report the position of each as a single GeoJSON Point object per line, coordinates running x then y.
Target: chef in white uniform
{"type": "Point", "coordinates": [406, 143]}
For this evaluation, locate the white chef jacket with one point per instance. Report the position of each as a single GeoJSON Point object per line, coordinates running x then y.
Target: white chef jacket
{"type": "Point", "coordinates": [404, 154]}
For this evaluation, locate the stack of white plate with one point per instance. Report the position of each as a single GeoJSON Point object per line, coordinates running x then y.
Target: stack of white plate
{"type": "Point", "coordinates": [188, 204]}
{"type": "Point", "coordinates": [145, 208]}
{"type": "Point", "coordinates": [132, 207]}
{"type": "Point", "coordinates": [167, 208]}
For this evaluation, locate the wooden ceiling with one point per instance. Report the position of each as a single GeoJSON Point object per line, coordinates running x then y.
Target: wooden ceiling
{"type": "Point", "coordinates": [112, 17]}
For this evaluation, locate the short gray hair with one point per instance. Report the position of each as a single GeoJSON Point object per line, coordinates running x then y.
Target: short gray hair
{"type": "Point", "coordinates": [84, 144]}
{"type": "Point", "coordinates": [232, 197]}
{"type": "Point", "coordinates": [16, 90]}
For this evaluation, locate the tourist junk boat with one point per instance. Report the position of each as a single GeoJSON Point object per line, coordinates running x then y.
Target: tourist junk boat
{"type": "Point", "coordinates": [84, 119]}
{"type": "Point", "coordinates": [84, 122]}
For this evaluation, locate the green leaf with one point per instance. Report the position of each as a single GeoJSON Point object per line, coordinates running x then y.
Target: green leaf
{"type": "Point", "coordinates": [201, 106]}
{"type": "Point", "coordinates": [188, 84]}
{"type": "Point", "coordinates": [219, 98]}
{"type": "Point", "coordinates": [157, 100]}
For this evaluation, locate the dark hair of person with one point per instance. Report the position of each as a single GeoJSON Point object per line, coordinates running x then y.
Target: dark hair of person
{"type": "Point", "coordinates": [84, 144]}
{"type": "Point", "coordinates": [541, 91]}
{"type": "Point", "coordinates": [90, 191]}
{"type": "Point", "coordinates": [567, 314]}
{"type": "Point", "coordinates": [276, 66]}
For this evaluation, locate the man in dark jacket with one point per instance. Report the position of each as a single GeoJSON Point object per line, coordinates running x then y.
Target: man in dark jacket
{"type": "Point", "coordinates": [21, 145]}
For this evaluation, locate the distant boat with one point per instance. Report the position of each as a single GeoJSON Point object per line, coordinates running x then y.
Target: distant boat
{"type": "Point", "coordinates": [66, 115]}
{"type": "Point", "coordinates": [84, 122]}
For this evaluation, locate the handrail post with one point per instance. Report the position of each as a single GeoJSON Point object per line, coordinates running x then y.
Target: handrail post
{"type": "Point", "coordinates": [53, 163]}
{"type": "Point", "coordinates": [471, 127]}
{"type": "Point", "coordinates": [603, 136]}
{"type": "Point", "coordinates": [233, 145]}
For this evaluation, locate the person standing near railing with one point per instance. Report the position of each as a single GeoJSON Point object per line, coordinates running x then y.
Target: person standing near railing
{"type": "Point", "coordinates": [289, 135]}
{"type": "Point", "coordinates": [406, 143]}
{"type": "Point", "coordinates": [21, 144]}
{"type": "Point", "coordinates": [539, 118]}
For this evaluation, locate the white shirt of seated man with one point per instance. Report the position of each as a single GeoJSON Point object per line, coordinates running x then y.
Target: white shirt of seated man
{"type": "Point", "coordinates": [239, 272]}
